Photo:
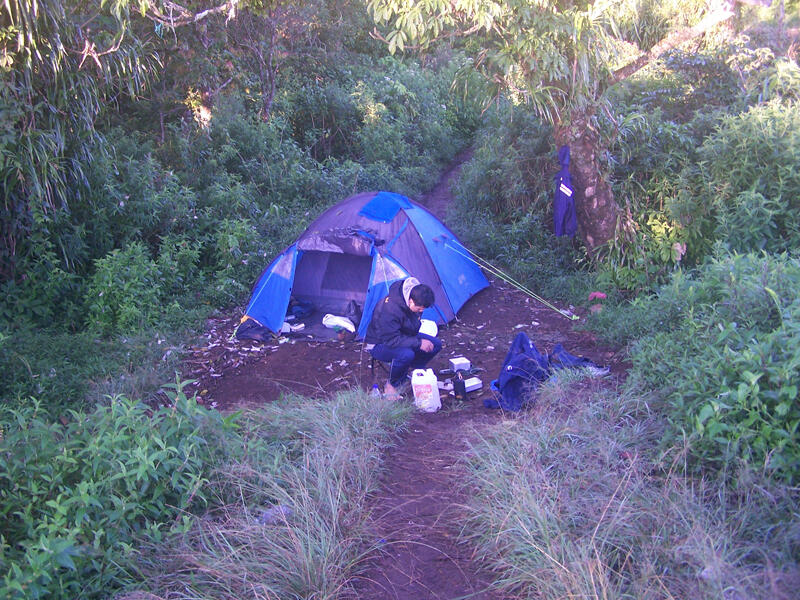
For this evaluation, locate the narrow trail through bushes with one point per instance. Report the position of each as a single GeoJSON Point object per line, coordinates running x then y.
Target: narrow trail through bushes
{"type": "Point", "coordinates": [418, 509]}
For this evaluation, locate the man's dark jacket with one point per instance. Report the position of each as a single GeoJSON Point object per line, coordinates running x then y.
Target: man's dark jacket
{"type": "Point", "coordinates": [393, 323]}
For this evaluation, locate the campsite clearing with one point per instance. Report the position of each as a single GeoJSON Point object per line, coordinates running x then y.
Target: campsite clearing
{"type": "Point", "coordinates": [418, 507]}
{"type": "Point", "coordinates": [232, 373]}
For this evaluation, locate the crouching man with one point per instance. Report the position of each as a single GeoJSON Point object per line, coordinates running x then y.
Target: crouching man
{"type": "Point", "coordinates": [394, 329]}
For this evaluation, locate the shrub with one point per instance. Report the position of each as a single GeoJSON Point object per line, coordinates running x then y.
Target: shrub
{"type": "Point", "coordinates": [47, 295]}
{"type": "Point", "coordinates": [681, 85]}
{"type": "Point", "coordinates": [781, 81]}
{"type": "Point", "coordinates": [238, 260]}
{"type": "Point", "coordinates": [124, 292]}
{"type": "Point", "coordinates": [512, 168]}
{"type": "Point", "coordinates": [751, 222]}
{"type": "Point", "coordinates": [76, 493]}
{"type": "Point", "coordinates": [177, 264]}
{"type": "Point", "coordinates": [756, 152]}
{"type": "Point", "coordinates": [764, 76]}
{"type": "Point", "coordinates": [724, 359]}
{"type": "Point", "coordinates": [648, 151]}
{"type": "Point", "coordinates": [132, 196]}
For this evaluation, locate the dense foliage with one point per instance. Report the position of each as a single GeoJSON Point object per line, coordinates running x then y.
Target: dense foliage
{"type": "Point", "coordinates": [717, 343]}
{"type": "Point", "coordinates": [201, 212]}
{"type": "Point", "coordinates": [700, 271]}
{"type": "Point", "coordinates": [60, 64]}
{"type": "Point", "coordinates": [76, 493]}
{"type": "Point", "coordinates": [150, 173]}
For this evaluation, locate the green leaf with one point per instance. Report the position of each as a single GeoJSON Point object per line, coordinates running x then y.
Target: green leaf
{"type": "Point", "coordinates": [64, 557]}
{"type": "Point", "coordinates": [705, 413]}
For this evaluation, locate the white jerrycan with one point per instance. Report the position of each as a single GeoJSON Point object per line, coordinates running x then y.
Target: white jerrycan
{"type": "Point", "coordinates": [426, 390]}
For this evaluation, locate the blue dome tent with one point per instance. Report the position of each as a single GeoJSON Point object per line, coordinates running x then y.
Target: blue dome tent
{"type": "Point", "coordinates": [354, 251]}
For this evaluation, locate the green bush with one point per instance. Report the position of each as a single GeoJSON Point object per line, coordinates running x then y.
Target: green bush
{"type": "Point", "coordinates": [681, 85]}
{"type": "Point", "coordinates": [177, 264]}
{"type": "Point", "coordinates": [124, 291]}
{"type": "Point", "coordinates": [512, 168]}
{"type": "Point", "coordinates": [756, 152]}
{"type": "Point", "coordinates": [780, 81]}
{"type": "Point", "coordinates": [764, 76]}
{"type": "Point", "coordinates": [750, 222]}
{"type": "Point", "coordinates": [376, 111]}
{"type": "Point", "coordinates": [686, 163]}
{"type": "Point", "coordinates": [722, 352]}
{"type": "Point", "coordinates": [48, 295]}
{"type": "Point", "coordinates": [648, 155]}
{"type": "Point", "coordinates": [132, 196]}
{"type": "Point", "coordinates": [75, 494]}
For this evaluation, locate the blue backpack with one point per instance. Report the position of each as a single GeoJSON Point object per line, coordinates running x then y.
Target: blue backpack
{"type": "Point", "coordinates": [525, 367]}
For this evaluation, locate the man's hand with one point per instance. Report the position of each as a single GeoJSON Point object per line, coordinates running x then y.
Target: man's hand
{"type": "Point", "coordinates": [426, 345]}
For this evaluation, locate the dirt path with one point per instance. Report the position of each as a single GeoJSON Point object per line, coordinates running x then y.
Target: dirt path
{"type": "Point", "coordinates": [418, 509]}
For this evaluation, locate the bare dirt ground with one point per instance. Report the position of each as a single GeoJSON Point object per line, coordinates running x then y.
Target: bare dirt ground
{"type": "Point", "coordinates": [418, 508]}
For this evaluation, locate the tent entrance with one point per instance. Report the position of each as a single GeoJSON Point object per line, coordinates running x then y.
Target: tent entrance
{"type": "Point", "coordinates": [329, 281]}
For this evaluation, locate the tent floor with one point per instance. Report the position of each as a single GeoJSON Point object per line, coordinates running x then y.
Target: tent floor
{"type": "Point", "coordinates": [314, 330]}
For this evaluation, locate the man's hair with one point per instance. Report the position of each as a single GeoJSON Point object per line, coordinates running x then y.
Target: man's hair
{"type": "Point", "coordinates": [422, 295]}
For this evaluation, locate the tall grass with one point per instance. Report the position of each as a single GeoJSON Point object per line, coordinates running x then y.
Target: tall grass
{"type": "Point", "coordinates": [575, 500]}
{"type": "Point", "coordinates": [79, 370]}
{"type": "Point", "coordinates": [291, 518]}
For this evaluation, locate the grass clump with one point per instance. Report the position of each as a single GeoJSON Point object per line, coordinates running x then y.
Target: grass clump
{"type": "Point", "coordinates": [289, 516]}
{"type": "Point", "coordinates": [572, 500]}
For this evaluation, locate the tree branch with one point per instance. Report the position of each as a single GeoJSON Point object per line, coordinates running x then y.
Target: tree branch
{"type": "Point", "coordinates": [721, 13]}
{"type": "Point", "coordinates": [177, 15]}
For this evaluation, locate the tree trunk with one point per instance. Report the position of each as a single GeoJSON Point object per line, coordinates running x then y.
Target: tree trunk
{"type": "Point", "coordinates": [595, 207]}
{"type": "Point", "coordinates": [268, 73]}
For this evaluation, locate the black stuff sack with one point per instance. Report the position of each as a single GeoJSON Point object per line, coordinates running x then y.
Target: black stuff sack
{"type": "Point", "coordinates": [353, 312]}
{"type": "Point", "coordinates": [250, 329]}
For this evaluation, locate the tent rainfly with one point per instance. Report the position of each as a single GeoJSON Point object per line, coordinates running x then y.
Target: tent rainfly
{"type": "Point", "coordinates": [355, 250]}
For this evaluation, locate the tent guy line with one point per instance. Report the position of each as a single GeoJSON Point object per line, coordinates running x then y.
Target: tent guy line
{"type": "Point", "coordinates": [482, 262]}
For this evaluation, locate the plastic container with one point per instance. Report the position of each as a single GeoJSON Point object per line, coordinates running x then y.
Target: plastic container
{"type": "Point", "coordinates": [426, 390]}
{"type": "Point", "coordinates": [459, 363]}
{"type": "Point", "coordinates": [472, 384]}
{"type": "Point", "coordinates": [375, 392]}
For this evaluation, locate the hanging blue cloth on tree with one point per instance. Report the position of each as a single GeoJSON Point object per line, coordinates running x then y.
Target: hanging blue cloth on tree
{"type": "Point", "coordinates": [564, 219]}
